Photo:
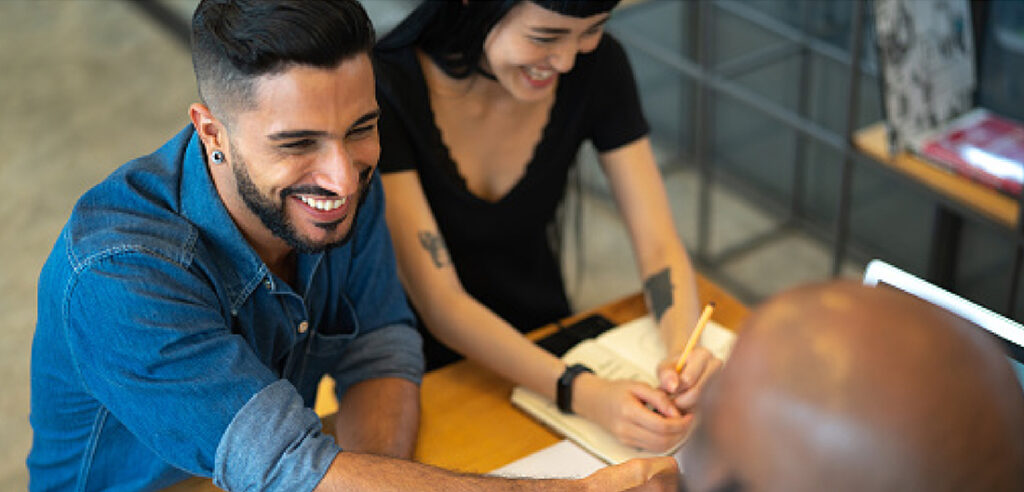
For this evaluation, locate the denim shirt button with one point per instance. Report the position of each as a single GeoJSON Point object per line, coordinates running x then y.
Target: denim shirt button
{"type": "Point", "coordinates": [303, 327]}
{"type": "Point", "coordinates": [269, 285]}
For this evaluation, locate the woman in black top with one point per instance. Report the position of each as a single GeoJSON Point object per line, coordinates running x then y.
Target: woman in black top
{"type": "Point", "coordinates": [484, 106]}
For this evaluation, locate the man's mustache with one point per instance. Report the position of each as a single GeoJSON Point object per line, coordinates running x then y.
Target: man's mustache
{"type": "Point", "coordinates": [314, 190]}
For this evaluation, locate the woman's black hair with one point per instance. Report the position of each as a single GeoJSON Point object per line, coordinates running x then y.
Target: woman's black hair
{"type": "Point", "coordinates": [235, 41]}
{"type": "Point", "coordinates": [452, 33]}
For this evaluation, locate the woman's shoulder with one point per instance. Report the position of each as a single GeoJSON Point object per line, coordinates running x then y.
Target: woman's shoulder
{"type": "Point", "coordinates": [602, 68]}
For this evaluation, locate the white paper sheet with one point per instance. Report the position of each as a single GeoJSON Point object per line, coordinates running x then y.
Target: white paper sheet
{"type": "Point", "coordinates": [563, 459]}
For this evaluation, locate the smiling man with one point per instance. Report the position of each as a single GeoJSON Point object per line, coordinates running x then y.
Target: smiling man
{"type": "Point", "coordinates": [196, 296]}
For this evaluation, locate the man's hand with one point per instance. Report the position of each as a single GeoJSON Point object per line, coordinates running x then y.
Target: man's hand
{"type": "Point", "coordinates": [650, 474]}
{"type": "Point", "coordinates": [624, 408]}
{"type": "Point", "coordinates": [684, 388]}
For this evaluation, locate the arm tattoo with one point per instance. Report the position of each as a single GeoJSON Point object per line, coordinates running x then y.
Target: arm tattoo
{"type": "Point", "coordinates": [658, 288]}
{"type": "Point", "coordinates": [434, 243]}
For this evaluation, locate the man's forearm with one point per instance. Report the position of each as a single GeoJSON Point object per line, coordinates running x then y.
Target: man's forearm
{"type": "Point", "coordinates": [379, 416]}
{"type": "Point", "coordinates": [356, 472]}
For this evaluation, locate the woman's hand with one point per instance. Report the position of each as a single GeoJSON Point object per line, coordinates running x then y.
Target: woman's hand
{"type": "Point", "coordinates": [684, 388]}
{"type": "Point", "coordinates": [624, 408]}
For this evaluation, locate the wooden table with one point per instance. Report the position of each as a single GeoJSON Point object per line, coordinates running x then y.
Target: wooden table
{"type": "Point", "coordinates": [467, 422]}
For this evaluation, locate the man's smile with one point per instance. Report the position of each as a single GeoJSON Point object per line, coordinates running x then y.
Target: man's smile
{"type": "Point", "coordinates": [324, 209]}
{"type": "Point", "coordinates": [321, 204]}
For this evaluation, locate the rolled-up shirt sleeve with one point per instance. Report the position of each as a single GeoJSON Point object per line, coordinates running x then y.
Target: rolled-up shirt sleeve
{"type": "Point", "coordinates": [151, 344]}
{"type": "Point", "coordinates": [390, 351]}
{"type": "Point", "coordinates": [274, 443]}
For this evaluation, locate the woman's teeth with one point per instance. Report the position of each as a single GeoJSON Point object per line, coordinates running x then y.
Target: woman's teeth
{"type": "Point", "coordinates": [539, 74]}
{"type": "Point", "coordinates": [325, 205]}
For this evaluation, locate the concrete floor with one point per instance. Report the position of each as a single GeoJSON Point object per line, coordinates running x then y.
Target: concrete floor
{"type": "Point", "coordinates": [87, 85]}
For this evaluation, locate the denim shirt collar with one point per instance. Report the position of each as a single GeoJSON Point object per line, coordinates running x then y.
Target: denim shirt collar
{"type": "Point", "coordinates": [239, 267]}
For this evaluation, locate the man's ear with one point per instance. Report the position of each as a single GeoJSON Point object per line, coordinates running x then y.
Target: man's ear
{"type": "Point", "coordinates": [211, 131]}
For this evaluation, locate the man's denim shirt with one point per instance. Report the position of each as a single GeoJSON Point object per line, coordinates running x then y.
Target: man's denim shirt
{"type": "Point", "coordinates": [164, 346]}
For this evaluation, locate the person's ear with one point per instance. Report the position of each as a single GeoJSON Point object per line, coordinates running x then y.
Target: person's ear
{"type": "Point", "coordinates": [211, 131]}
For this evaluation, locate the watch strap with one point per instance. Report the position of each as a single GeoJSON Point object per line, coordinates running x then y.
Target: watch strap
{"type": "Point", "coordinates": [563, 392]}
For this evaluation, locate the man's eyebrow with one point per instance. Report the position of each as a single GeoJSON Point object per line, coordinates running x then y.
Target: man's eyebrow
{"type": "Point", "coordinates": [562, 30]}
{"type": "Point", "coordinates": [290, 134]}
{"type": "Point", "coordinates": [293, 134]}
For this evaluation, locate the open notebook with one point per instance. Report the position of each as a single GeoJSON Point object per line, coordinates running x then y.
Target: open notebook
{"type": "Point", "coordinates": [629, 351]}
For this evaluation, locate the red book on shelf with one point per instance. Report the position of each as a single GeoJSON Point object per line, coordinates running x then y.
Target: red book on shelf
{"type": "Point", "coordinates": [982, 146]}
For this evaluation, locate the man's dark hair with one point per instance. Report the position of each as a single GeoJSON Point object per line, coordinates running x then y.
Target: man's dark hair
{"type": "Point", "coordinates": [236, 41]}
{"type": "Point", "coordinates": [453, 33]}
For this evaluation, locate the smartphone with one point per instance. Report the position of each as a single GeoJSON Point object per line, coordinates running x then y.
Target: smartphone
{"type": "Point", "coordinates": [559, 342]}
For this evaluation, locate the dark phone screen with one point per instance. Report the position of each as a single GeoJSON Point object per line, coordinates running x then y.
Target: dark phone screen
{"type": "Point", "coordinates": [561, 341]}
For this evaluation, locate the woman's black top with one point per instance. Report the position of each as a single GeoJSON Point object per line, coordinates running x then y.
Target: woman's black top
{"type": "Point", "coordinates": [501, 249]}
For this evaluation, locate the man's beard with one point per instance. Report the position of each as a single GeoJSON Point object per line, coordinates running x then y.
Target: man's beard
{"type": "Point", "coordinates": [273, 215]}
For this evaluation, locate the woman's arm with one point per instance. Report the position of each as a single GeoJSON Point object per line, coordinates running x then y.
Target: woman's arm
{"type": "Point", "coordinates": [669, 281]}
{"type": "Point", "coordinates": [453, 316]}
{"type": "Point", "coordinates": [468, 327]}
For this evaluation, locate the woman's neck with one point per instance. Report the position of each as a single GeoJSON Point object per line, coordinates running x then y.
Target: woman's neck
{"type": "Point", "coordinates": [476, 91]}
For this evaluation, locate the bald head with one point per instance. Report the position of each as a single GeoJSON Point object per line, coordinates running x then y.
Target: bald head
{"type": "Point", "coordinates": [845, 387]}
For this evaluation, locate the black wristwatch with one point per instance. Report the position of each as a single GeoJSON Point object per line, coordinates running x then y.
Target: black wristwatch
{"type": "Point", "coordinates": [563, 392]}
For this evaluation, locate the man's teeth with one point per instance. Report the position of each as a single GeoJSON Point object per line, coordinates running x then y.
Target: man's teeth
{"type": "Point", "coordinates": [538, 74]}
{"type": "Point", "coordinates": [325, 205]}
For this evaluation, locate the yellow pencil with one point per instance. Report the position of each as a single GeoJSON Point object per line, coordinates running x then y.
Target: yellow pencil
{"type": "Point", "coordinates": [695, 336]}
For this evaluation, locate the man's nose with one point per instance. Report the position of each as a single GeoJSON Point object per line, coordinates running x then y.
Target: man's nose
{"type": "Point", "coordinates": [336, 172]}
